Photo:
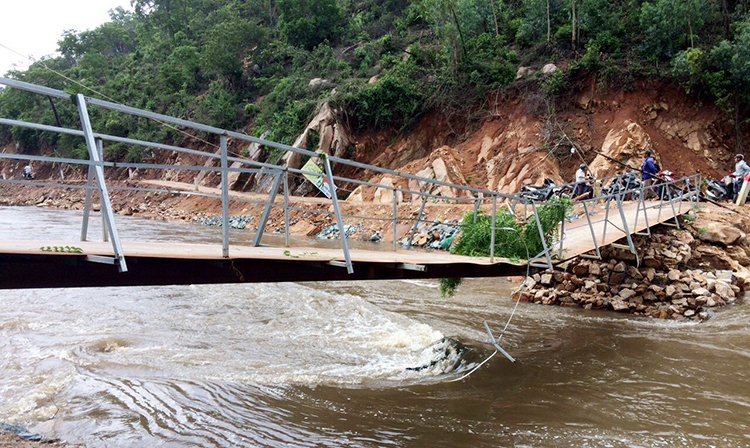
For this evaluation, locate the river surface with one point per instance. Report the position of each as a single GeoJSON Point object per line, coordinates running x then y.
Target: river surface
{"type": "Point", "coordinates": [354, 364]}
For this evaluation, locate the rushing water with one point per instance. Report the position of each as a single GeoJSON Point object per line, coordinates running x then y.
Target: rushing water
{"type": "Point", "coordinates": [354, 364]}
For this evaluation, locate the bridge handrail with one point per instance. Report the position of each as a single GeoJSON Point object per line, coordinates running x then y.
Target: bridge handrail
{"type": "Point", "coordinates": [280, 173]}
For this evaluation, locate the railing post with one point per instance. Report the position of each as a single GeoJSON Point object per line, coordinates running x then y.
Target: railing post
{"type": "Point", "coordinates": [645, 215]}
{"type": "Point", "coordinates": [671, 203]}
{"type": "Point", "coordinates": [395, 218]}
{"type": "Point", "coordinates": [224, 197]}
{"type": "Point", "coordinates": [267, 210]}
{"type": "Point", "coordinates": [541, 235]}
{"type": "Point", "coordinates": [494, 221]}
{"type": "Point", "coordinates": [108, 215]}
{"type": "Point", "coordinates": [625, 227]}
{"type": "Point", "coordinates": [105, 230]}
{"type": "Point", "coordinates": [591, 228]}
{"type": "Point", "coordinates": [87, 200]}
{"type": "Point", "coordinates": [286, 207]}
{"type": "Point", "coordinates": [337, 211]}
{"type": "Point", "coordinates": [698, 181]}
{"type": "Point", "coordinates": [606, 221]}
{"type": "Point", "coordinates": [681, 197]}
{"type": "Point", "coordinates": [419, 219]}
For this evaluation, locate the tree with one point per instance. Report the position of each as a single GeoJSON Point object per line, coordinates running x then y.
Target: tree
{"type": "Point", "coordinates": [574, 39]}
{"type": "Point", "coordinates": [549, 24]}
{"type": "Point", "coordinates": [669, 25]}
{"type": "Point", "coordinates": [227, 45]}
{"type": "Point", "coordinates": [307, 23]}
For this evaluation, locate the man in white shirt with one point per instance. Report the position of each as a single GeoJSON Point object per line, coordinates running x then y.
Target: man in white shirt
{"type": "Point", "coordinates": [741, 169]}
{"type": "Point", "coordinates": [580, 180]}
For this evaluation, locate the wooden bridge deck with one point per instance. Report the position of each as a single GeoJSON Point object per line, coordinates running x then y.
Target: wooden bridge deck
{"type": "Point", "coordinates": [24, 263]}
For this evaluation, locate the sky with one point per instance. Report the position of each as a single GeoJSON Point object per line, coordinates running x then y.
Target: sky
{"type": "Point", "coordinates": [33, 27]}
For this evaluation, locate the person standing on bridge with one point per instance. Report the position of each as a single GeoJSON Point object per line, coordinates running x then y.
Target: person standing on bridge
{"type": "Point", "coordinates": [648, 172]}
{"type": "Point", "coordinates": [580, 180]}
{"type": "Point", "coordinates": [741, 169]}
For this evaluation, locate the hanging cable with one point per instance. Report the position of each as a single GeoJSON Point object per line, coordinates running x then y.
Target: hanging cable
{"type": "Point", "coordinates": [513, 312]}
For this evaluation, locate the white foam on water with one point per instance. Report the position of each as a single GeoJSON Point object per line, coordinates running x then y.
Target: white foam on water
{"type": "Point", "coordinates": [273, 334]}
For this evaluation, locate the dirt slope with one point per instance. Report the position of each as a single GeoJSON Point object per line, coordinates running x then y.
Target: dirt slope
{"type": "Point", "coordinates": [519, 143]}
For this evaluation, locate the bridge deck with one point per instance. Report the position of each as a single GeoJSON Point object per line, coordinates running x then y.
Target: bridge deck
{"type": "Point", "coordinates": [24, 263]}
{"type": "Point", "coordinates": [578, 238]}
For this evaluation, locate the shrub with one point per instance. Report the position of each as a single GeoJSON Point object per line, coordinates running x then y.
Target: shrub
{"type": "Point", "coordinates": [392, 101]}
{"type": "Point", "coordinates": [512, 240]}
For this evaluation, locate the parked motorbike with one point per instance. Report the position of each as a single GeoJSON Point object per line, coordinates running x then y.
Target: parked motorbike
{"type": "Point", "coordinates": [624, 183]}
{"type": "Point", "coordinates": [717, 190]}
{"type": "Point", "coordinates": [535, 193]}
{"type": "Point", "coordinates": [663, 183]}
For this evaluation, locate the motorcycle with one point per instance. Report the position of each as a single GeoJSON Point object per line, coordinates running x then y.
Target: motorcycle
{"type": "Point", "coordinates": [535, 193]}
{"type": "Point", "coordinates": [717, 190]}
{"type": "Point", "coordinates": [625, 183]}
{"type": "Point", "coordinates": [663, 183]}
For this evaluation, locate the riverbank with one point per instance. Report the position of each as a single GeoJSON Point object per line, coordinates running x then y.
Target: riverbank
{"type": "Point", "coordinates": [308, 215]}
{"type": "Point", "coordinates": [680, 274]}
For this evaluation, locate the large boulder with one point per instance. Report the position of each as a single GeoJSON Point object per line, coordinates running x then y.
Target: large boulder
{"type": "Point", "coordinates": [724, 234]}
{"type": "Point", "coordinates": [333, 139]}
{"type": "Point", "coordinates": [523, 72]}
{"type": "Point", "coordinates": [549, 69]}
{"type": "Point", "coordinates": [625, 145]}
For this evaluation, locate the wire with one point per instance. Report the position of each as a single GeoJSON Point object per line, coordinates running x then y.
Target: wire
{"type": "Point", "coordinates": [512, 313]}
{"type": "Point", "coordinates": [475, 368]}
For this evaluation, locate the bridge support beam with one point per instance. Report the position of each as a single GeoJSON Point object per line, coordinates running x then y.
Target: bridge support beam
{"type": "Point", "coordinates": [107, 213]}
{"type": "Point", "coordinates": [337, 211]}
{"type": "Point", "coordinates": [224, 197]}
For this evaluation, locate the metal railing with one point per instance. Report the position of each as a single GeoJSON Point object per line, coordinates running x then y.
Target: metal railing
{"type": "Point", "coordinates": [424, 191]}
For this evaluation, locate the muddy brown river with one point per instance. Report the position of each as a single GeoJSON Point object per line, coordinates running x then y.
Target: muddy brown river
{"type": "Point", "coordinates": [354, 364]}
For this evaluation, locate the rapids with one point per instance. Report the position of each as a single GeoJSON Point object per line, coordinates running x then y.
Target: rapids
{"type": "Point", "coordinates": [354, 364]}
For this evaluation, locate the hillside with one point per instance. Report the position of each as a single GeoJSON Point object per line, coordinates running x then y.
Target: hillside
{"type": "Point", "coordinates": [499, 91]}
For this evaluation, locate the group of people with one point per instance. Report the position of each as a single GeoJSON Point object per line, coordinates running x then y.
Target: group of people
{"type": "Point", "coordinates": [649, 174]}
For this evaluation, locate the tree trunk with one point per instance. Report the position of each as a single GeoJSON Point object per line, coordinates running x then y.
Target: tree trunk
{"type": "Point", "coordinates": [494, 16]}
{"type": "Point", "coordinates": [458, 27]}
{"type": "Point", "coordinates": [725, 15]}
{"type": "Point", "coordinates": [549, 25]}
{"type": "Point", "coordinates": [574, 40]}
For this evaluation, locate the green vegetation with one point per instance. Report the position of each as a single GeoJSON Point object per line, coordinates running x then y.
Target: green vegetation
{"type": "Point", "coordinates": [513, 240]}
{"type": "Point", "coordinates": [448, 286]}
{"type": "Point", "coordinates": [248, 64]}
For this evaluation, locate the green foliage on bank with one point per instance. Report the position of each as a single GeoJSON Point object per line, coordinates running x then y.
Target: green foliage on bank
{"type": "Point", "coordinates": [247, 64]}
{"type": "Point", "coordinates": [513, 239]}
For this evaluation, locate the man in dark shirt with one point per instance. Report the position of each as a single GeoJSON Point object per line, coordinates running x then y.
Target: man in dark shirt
{"type": "Point", "coordinates": [648, 172]}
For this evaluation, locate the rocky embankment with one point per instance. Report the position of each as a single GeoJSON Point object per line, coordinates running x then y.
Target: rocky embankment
{"type": "Point", "coordinates": [676, 274]}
